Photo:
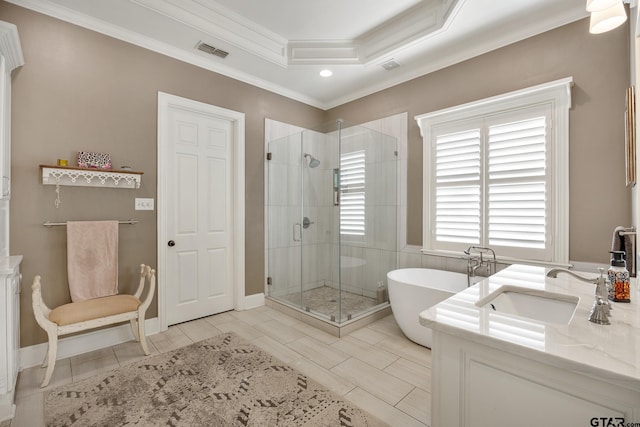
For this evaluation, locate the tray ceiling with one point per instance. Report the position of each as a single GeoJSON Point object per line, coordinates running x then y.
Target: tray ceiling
{"type": "Point", "coordinates": [281, 45]}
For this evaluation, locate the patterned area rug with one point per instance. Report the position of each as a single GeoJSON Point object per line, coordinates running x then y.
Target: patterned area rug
{"type": "Point", "coordinates": [222, 381]}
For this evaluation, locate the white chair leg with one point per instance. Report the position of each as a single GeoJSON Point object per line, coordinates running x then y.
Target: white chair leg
{"type": "Point", "coordinates": [142, 336]}
{"type": "Point", "coordinates": [134, 329]}
{"type": "Point", "coordinates": [46, 357]}
{"type": "Point", "coordinates": [53, 349]}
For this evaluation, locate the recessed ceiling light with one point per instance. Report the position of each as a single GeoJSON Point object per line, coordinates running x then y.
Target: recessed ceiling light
{"type": "Point", "coordinates": [326, 73]}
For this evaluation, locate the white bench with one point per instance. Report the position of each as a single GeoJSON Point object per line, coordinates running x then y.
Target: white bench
{"type": "Point", "coordinates": [92, 313]}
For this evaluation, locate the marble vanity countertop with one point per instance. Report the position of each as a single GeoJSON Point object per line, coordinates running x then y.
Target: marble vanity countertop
{"type": "Point", "coordinates": [604, 351]}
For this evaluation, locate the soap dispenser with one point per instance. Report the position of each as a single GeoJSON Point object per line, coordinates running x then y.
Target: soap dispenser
{"type": "Point", "coordinates": [619, 278]}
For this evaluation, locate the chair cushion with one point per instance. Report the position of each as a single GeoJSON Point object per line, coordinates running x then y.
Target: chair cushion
{"type": "Point", "coordinates": [95, 308]}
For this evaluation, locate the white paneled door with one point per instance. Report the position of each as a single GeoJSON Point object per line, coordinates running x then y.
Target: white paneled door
{"type": "Point", "coordinates": [198, 195]}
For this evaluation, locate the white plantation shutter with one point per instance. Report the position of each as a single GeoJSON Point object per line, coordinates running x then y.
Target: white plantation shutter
{"type": "Point", "coordinates": [352, 190]}
{"type": "Point", "coordinates": [517, 178]}
{"type": "Point", "coordinates": [457, 195]}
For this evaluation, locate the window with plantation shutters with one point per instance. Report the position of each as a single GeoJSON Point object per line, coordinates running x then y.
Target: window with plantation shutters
{"type": "Point", "coordinates": [496, 175]}
{"type": "Point", "coordinates": [352, 200]}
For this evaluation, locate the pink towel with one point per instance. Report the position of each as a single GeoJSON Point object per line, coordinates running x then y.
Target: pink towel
{"type": "Point", "coordinates": [92, 259]}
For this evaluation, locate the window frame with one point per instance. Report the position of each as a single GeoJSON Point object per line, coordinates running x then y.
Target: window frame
{"type": "Point", "coordinates": [556, 95]}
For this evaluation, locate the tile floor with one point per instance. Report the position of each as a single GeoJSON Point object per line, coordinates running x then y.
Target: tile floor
{"type": "Point", "coordinates": [376, 367]}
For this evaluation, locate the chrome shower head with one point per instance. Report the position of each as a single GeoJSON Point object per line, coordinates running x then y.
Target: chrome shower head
{"type": "Point", "coordinates": [313, 162]}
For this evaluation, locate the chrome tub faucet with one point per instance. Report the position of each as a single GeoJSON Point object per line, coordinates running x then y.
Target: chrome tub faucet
{"type": "Point", "coordinates": [477, 259]}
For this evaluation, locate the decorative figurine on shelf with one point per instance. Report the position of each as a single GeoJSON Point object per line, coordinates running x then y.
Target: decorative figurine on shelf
{"type": "Point", "coordinates": [89, 160]}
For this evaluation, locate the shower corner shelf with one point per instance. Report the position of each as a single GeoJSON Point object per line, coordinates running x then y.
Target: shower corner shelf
{"type": "Point", "coordinates": [67, 175]}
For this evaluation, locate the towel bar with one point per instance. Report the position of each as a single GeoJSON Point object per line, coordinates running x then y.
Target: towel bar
{"type": "Point", "coordinates": [628, 232]}
{"type": "Point", "coordinates": [128, 221]}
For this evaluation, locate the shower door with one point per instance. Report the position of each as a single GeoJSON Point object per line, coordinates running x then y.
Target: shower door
{"type": "Point", "coordinates": [284, 213]}
{"type": "Point", "coordinates": [300, 235]}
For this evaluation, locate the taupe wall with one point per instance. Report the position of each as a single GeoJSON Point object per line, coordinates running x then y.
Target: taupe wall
{"type": "Point", "coordinates": [599, 64]}
{"type": "Point", "coordinates": [80, 90]}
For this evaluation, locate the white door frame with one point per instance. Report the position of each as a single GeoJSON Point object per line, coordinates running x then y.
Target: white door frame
{"type": "Point", "coordinates": [165, 101]}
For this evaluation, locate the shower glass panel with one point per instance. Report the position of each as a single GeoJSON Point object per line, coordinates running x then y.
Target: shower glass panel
{"type": "Point", "coordinates": [284, 212]}
{"type": "Point", "coordinates": [331, 208]}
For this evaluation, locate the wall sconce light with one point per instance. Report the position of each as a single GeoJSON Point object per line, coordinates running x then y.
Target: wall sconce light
{"type": "Point", "coordinates": [598, 5]}
{"type": "Point", "coordinates": [605, 15]}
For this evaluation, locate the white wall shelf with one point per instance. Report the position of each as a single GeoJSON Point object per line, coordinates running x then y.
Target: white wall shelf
{"type": "Point", "coordinates": [66, 175]}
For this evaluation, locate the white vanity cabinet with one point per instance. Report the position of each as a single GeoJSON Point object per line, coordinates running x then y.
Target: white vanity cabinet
{"type": "Point", "coordinates": [475, 385]}
{"type": "Point", "coordinates": [9, 333]}
{"type": "Point", "coordinates": [491, 367]}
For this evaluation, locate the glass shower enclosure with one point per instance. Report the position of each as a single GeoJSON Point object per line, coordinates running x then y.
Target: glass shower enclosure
{"type": "Point", "coordinates": [332, 220]}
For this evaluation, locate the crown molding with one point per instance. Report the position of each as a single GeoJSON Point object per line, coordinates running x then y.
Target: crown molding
{"type": "Point", "coordinates": [422, 20]}
{"type": "Point", "coordinates": [419, 21]}
{"type": "Point", "coordinates": [108, 29]}
{"type": "Point", "coordinates": [451, 56]}
{"type": "Point", "coordinates": [223, 24]}
{"type": "Point", "coordinates": [10, 47]}
{"type": "Point", "coordinates": [460, 53]}
{"type": "Point", "coordinates": [324, 52]}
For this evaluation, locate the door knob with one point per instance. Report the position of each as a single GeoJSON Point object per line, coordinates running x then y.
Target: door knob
{"type": "Point", "coordinates": [171, 243]}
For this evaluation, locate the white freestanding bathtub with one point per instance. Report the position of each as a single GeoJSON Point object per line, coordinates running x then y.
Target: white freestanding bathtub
{"type": "Point", "coordinates": [412, 290]}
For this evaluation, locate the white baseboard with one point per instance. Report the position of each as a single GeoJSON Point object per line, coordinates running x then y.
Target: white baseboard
{"type": "Point", "coordinates": [90, 341]}
{"type": "Point", "coordinates": [252, 301]}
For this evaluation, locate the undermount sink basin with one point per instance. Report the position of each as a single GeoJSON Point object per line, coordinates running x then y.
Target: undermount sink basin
{"type": "Point", "coordinates": [548, 307]}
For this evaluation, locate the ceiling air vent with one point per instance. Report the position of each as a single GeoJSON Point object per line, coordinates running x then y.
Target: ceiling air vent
{"type": "Point", "coordinates": [212, 50]}
{"type": "Point", "coordinates": [390, 64]}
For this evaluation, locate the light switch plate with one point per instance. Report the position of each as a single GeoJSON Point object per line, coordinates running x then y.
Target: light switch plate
{"type": "Point", "coordinates": [144, 204]}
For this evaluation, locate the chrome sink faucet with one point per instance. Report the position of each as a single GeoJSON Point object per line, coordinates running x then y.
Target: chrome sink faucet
{"type": "Point", "coordinates": [477, 259]}
{"type": "Point", "coordinates": [554, 273]}
{"type": "Point", "coordinates": [601, 307]}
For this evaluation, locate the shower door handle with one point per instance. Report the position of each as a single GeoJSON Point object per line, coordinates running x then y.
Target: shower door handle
{"type": "Point", "coordinates": [297, 239]}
